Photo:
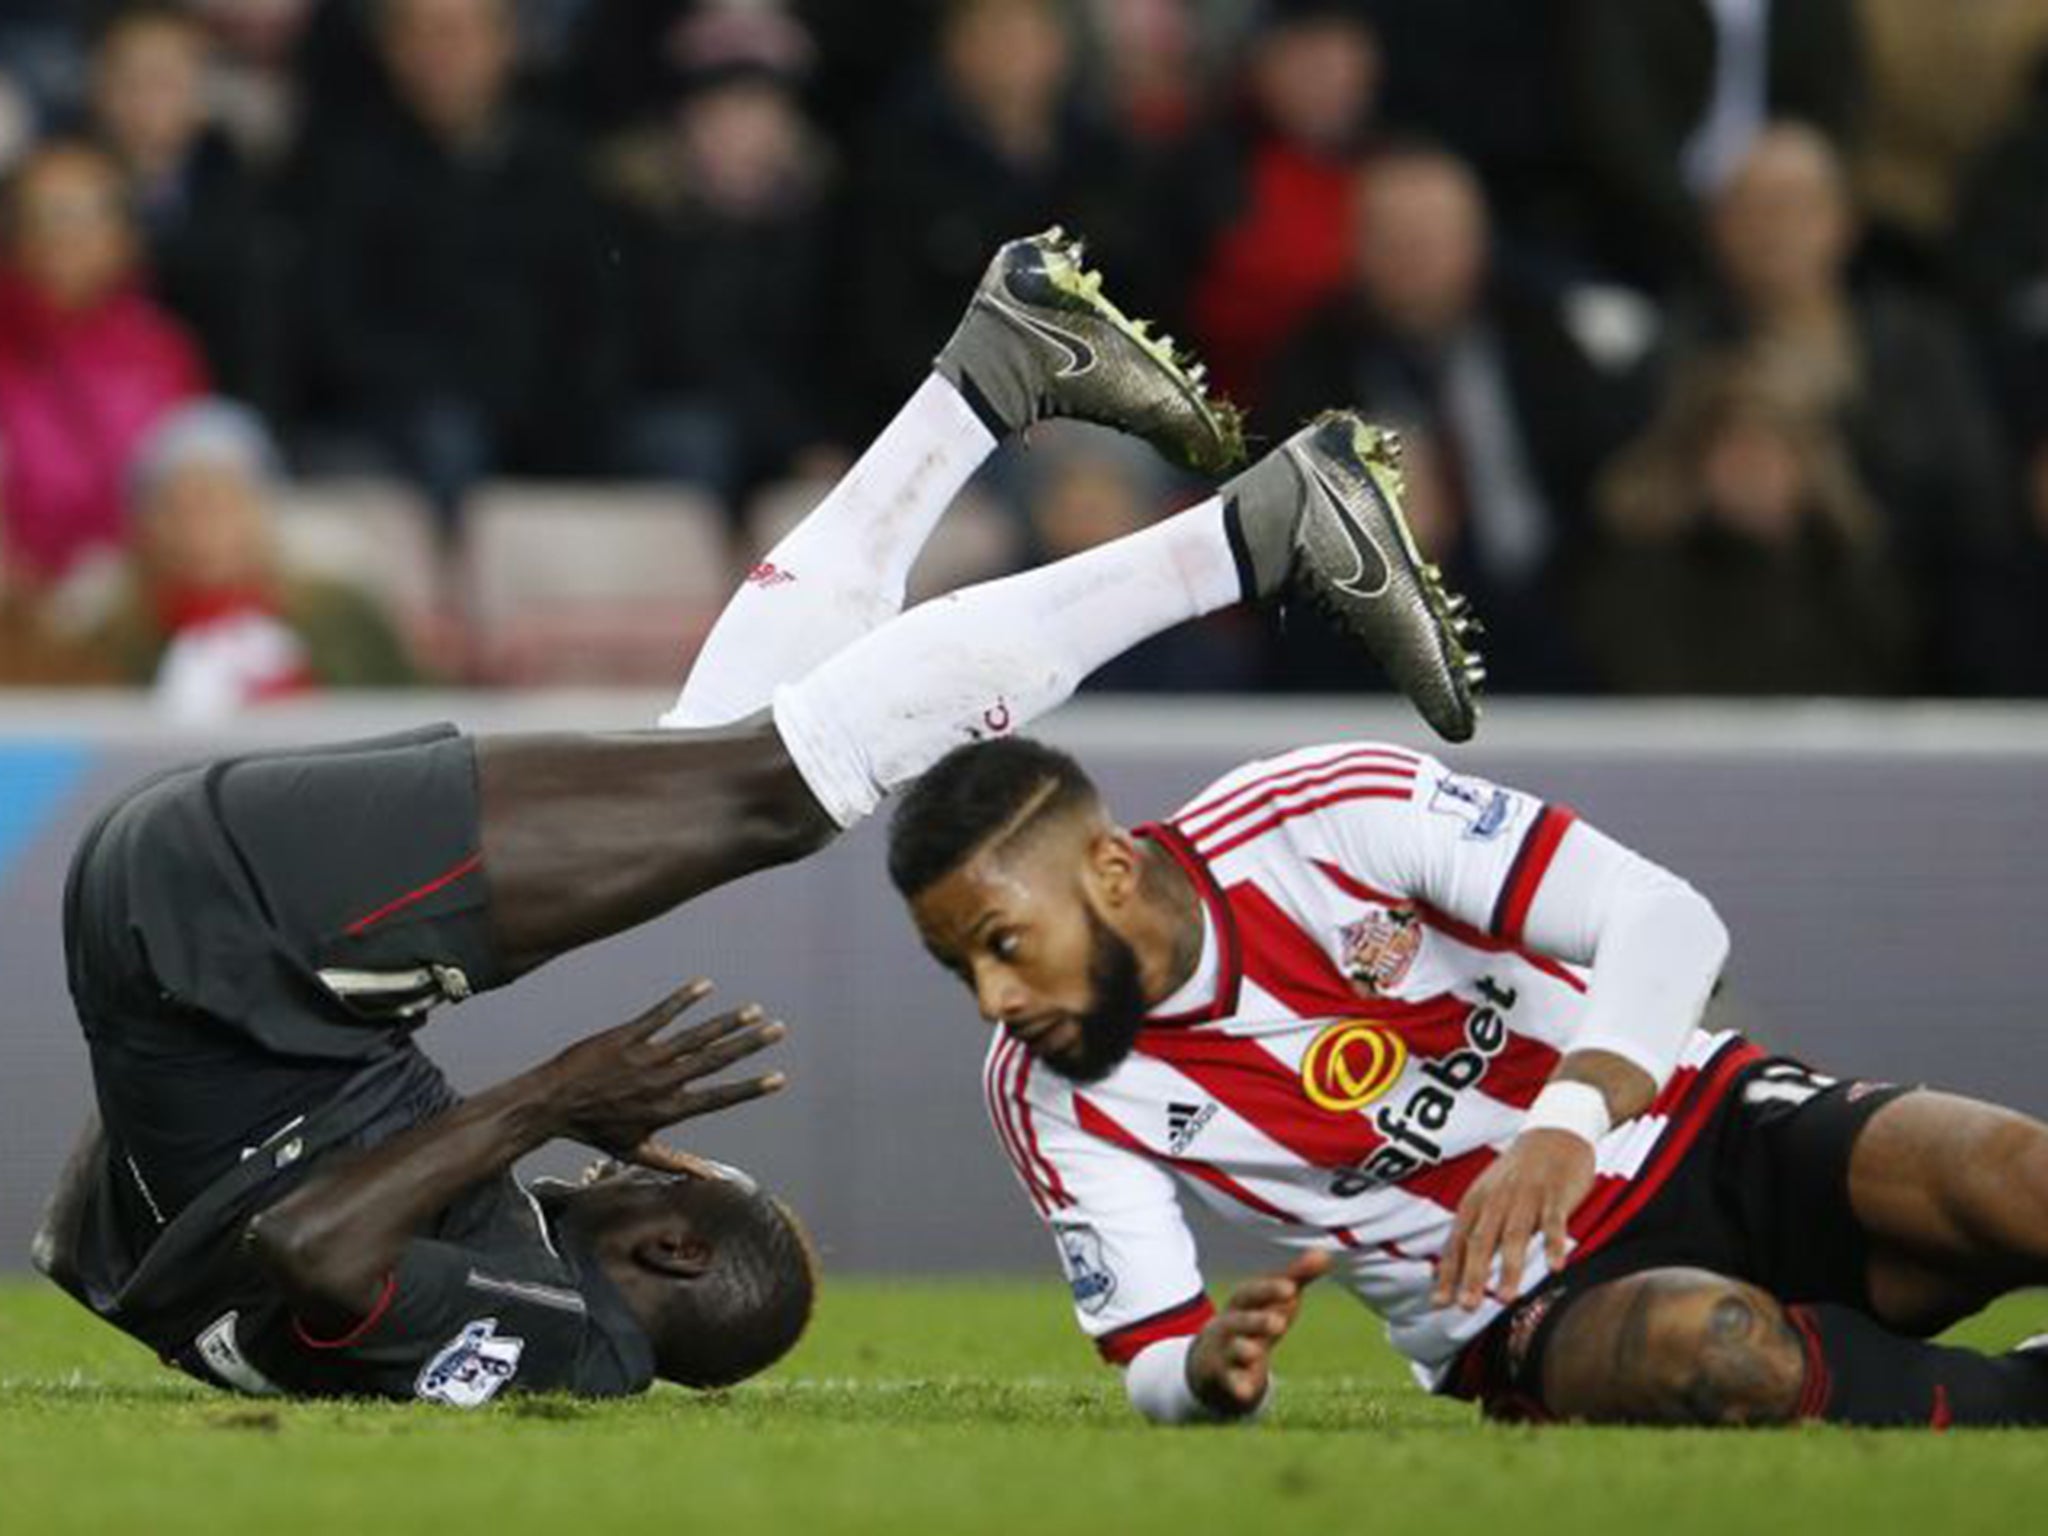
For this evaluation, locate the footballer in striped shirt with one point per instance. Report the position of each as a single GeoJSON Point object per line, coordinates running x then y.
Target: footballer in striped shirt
{"type": "Point", "coordinates": [1446, 1043]}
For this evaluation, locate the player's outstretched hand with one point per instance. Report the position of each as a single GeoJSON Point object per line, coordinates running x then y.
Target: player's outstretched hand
{"type": "Point", "coordinates": [1533, 1186]}
{"type": "Point", "coordinates": [1231, 1362]}
{"type": "Point", "coordinates": [615, 1090]}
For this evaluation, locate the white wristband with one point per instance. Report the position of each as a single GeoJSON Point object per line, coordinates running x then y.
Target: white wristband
{"type": "Point", "coordinates": [1576, 1107]}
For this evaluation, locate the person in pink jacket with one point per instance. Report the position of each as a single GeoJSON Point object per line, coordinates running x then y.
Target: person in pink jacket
{"type": "Point", "coordinates": [87, 361]}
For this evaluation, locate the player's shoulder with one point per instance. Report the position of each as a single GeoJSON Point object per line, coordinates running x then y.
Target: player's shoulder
{"type": "Point", "coordinates": [1305, 768]}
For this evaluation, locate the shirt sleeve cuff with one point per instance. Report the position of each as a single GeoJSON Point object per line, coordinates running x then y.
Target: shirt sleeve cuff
{"type": "Point", "coordinates": [1156, 1382]}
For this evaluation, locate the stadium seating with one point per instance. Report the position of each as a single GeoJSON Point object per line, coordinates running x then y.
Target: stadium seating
{"type": "Point", "coordinates": [380, 536]}
{"type": "Point", "coordinates": [574, 583]}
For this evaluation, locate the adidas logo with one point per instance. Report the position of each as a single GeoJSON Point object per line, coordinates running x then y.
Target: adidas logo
{"type": "Point", "coordinates": [1184, 1123]}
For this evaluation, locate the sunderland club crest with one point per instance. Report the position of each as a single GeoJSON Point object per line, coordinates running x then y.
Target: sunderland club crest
{"type": "Point", "coordinates": [1380, 947]}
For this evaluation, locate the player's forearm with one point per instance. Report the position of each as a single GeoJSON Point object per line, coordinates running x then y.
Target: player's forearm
{"type": "Point", "coordinates": [333, 1241]}
{"type": "Point", "coordinates": [1655, 947]}
{"type": "Point", "coordinates": [1660, 952]}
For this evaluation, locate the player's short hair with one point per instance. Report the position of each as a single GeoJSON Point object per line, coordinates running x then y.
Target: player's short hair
{"type": "Point", "coordinates": [970, 795]}
{"type": "Point", "coordinates": [751, 1306]}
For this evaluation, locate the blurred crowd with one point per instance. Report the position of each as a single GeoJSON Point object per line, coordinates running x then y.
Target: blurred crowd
{"type": "Point", "coordinates": [1717, 329]}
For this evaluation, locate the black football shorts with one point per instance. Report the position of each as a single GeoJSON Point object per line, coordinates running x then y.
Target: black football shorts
{"type": "Point", "coordinates": [243, 936]}
{"type": "Point", "coordinates": [1762, 1196]}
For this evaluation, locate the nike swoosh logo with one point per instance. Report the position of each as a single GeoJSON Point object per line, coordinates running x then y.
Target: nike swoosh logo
{"type": "Point", "coordinates": [1365, 549]}
{"type": "Point", "coordinates": [1079, 355]}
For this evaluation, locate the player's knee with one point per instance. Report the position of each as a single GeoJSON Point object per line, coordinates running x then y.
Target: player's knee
{"type": "Point", "coordinates": [2005, 1195]}
{"type": "Point", "coordinates": [1676, 1347]}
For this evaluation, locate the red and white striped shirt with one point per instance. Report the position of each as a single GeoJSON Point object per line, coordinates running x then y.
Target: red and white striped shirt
{"type": "Point", "coordinates": [1382, 994]}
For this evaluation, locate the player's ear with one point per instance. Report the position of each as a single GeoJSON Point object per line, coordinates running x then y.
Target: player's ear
{"type": "Point", "coordinates": [679, 1255]}
{"type": "Point", "coordinates": [1114, 865]}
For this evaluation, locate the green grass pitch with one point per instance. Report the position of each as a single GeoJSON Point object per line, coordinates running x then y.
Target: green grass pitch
{"type": "Point", "coordinates": [963, 1407]}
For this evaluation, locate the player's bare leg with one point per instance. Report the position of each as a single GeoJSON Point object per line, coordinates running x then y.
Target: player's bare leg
{"type": "Point", "coordinates": [586, 837]}
{"type": "Point", "coordinates": [1954, 1195]}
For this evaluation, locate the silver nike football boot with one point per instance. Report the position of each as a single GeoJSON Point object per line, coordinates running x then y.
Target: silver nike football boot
{"type": "Point", "coordinates": [1040, 339]}
{"type": "Point", "coordinates": [1320, 517]}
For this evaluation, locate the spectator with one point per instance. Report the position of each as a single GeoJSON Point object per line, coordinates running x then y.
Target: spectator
{"type": "Point", "coordinates": [195, 201]}
{"type": "Point", "coordinates": [33, 654]}
{"type": "Point", "coordinates": [1741, 554]}
{"type": "Point", "coordinates": [1084, 488]}
{"type": "Point", "coordinates": [1939, 93]}
{"type": "Point", "coordinates": [1670, 94]}
{"type": "Point", "coordinates": [87, 363]}
{"type": "Point", "coordinates": [463, 322]}
{"type": "Point", "coordinates": [1431, 337]}
{"type": "Point", "coordinates": [1481, 77]}
{"type": "Point", "coordinates": [625, 56]}
{"type": "Point", "coordinates": [724, 247]}
{"type": "Point", "coordinates": [1150, 67]}
{"type": "Point", "coordinates": [1281, 245]}
{"type": "Point", "coordinates": [992, 143]}
{"type": "Point", "coordinates": [209, 615]}
{"type": "Point", "coordinates": [1893, 371]}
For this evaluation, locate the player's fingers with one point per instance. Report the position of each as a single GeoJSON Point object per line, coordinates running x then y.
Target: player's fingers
{"type": "Point", "coordinates": [724, 1052]}
{"type": "Point", "coordinates": [1480, 1248]}
{"type": "Point", "coordinates": [1308, 1267]}
{"type": "Point", "coordinates": [1271, 1291]}
{"type": "Point", "coordinates": [664, 1013]}
{"type": "Point", "coordinates": [663, 1158]}
{"type": "Point", "coordinates": [699, 1035]}
{"type": "Point", "coordinates": [1241, 1351]}
{"type": "Point", "coordinates": [1256, 1322]}
{"type": "Point", "coordinates": [1242, 1383]}
{"type": "Point", "coordinates": [1514, 1246]}
{"type": "Point", "coordinates": [1450, 1264]}
{"type": "Point", "coordinates": [704, 1101]}
{"type": "Point", "coordinates": [1556, 1231]}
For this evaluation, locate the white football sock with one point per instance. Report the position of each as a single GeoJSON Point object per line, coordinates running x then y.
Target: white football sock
{"type": "Point", "coordinates": [984, 661]}
{"type": "Point", "coordinates": [844, 568]}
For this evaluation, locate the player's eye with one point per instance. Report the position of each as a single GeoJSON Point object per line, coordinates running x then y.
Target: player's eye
{"type": "Point", "coordinates": [1005, 945]}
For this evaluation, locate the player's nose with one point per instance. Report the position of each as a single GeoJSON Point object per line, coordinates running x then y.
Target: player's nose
{"type": "Point", "coordinates": [1000, 997]}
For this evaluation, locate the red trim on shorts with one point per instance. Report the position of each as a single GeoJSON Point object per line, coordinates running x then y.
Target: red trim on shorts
{"type": "Point", "coordinates": [1184, 1320]}
{"type": "Point", "coordinates": [356, 1334]}
{"type": "Point", "coordinates": [1941, 1418]}
{"type": "Point", "coordinates": [1593, 1227]}
{"type": "Point", "coordinates": [369, 920]}
{"type": "Point", "coordinates": [1230, 970]}
{"type": "Point", "coordinates": [1525, 874]}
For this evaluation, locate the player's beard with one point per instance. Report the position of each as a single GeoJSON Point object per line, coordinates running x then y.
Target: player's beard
{"type": "Point", "coordinates": [1116, 1012]}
